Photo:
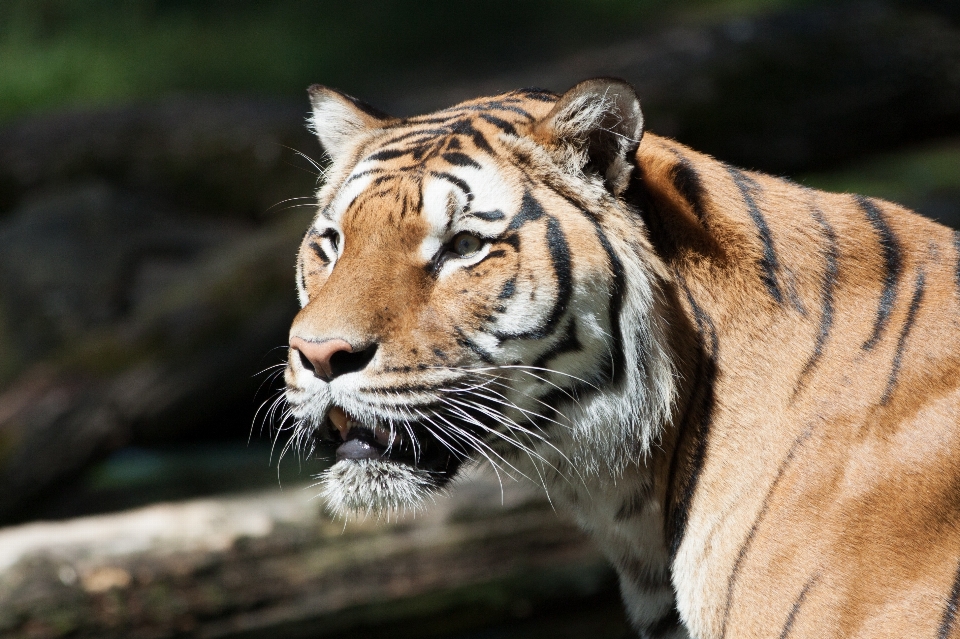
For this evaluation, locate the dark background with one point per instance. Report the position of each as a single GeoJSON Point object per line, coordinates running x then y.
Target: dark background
{"type": "Point", "coordinates": [150, 151]}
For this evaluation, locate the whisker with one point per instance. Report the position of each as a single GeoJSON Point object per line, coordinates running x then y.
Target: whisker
{"type": "Point", "coordinates": [479, 445]}
{"type": "Point", "coordinates": [309, 159]}
{"type": "Point", "coordinates": [311, 198]}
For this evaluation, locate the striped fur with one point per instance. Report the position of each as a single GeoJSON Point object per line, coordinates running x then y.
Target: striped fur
{"type": "Point", "coordinates": [745, 390]}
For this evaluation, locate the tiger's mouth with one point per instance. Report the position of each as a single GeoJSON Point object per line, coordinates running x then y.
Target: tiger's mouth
{"type": "Point", "coordinates": [357, 439]}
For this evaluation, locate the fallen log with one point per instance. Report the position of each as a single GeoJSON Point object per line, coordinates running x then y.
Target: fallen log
{"type": "Point", "coordinates": [273, 564]}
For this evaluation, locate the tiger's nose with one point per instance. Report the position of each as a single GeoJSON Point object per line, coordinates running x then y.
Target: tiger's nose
{"type": "Point", "coordinates": [331, 358]}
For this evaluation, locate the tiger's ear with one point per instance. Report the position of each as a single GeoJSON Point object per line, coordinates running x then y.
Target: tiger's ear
{"type": "Point", "coordinates": [338, 118]}
{"type": "Point", "coordinates": [596, 125]}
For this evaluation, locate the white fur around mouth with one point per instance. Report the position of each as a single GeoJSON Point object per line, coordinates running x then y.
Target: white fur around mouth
{"type": "Point", "coordinates": [355, 487]}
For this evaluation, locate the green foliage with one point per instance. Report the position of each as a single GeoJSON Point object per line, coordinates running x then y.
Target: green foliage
{"type": "Point", "coordinates": [67, 52]}
{"type": "Point", "coordinates": [908, 177]}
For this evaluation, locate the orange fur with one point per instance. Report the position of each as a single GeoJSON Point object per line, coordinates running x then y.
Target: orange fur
{"type": "Point", "coordinates": [806, 482]}
{"type": "Point", "coordinates": [837, 480]}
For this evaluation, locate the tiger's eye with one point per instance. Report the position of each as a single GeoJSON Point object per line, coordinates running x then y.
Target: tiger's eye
{"type": "Point", "coordinates": [464, 244]}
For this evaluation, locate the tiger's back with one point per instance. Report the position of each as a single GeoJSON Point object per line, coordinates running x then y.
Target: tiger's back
{"type": "Point", "coordinates": [754, 386]}
{"type": "Point", "coordinates": [822, 453]}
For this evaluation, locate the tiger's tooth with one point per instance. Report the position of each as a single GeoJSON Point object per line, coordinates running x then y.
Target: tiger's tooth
{"type": "Point", "coordinates": [340, 421]}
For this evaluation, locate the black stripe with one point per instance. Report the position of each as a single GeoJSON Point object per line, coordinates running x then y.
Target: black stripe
{"type": "Point", "coordinates": [568, 343]}
{"type": "Point", "coordinates": [950, 610]}
{"type": "Point", "coordinates": [956, 245]}
{"type": "Point", "coordinates": [357, 176]}
{"type": "Point", "coordinates": [503, 105]}
{"type": "Point", "coordinates": [791, 284]}
{"type": "Point", "coordinates": [492, 254]}
{"type": "Point", "coordinates": [792, 617]}
{"type": "Point", "coordinates": [893, 265]}
{"type": "Point", "coordinates": [617, 363]}
{"type": "Point", "coordinates": [481, 142]}
{"type": "Point", "coordinates": [420, 149]}
{"type": "Point", "coordinates": [465, 341]}
{"type": "Point", "coordinates": [830, 254]}
{"type": "Point", "coordinates": [511, 240]}
{"type": "Point", "coordinates": [666, 624]}
{"type": "Point", "coordinates": [618, 289]}
{"type": "Point", "coordinates": [560, 256]}
{"type": "Point", "coordinates": [391, 391]}
{"type": "Point", "coordinates": [377, 181]}
{"type": "Point", "coordinates": [465, 127]}
{"type": "Point", "coordinates": [751, 535]}
{"type": "Point", "coordinates": [540, 95]}
{"type": "Point", "coordinates": [904, 332]}
{"type": "Point", "coordinates": [493, 105]}
{"type": "Point", "coordinates": [386, 154]}
{"type": "Point", "coordinates": [701, 408]}
{"type": "Point", "coordinates": [318, 250]}
{"type": "Point", "coordinates": [687, 182]}
{"type": "Point", "coordinates": [487, 216]}
{"type": "Point", "coordinates": [509, 289]}
{"type": "Point", "coordinates": [560, 259]}
{"type": "Point", "coordinates": [503, 125]}
{"type": "Point", "coordinates": [424, 133]}
{"type": "Point", "coordinates": [453, 179]}
{"type": "Point", "coordinates": [768, 263]}
{"type": "Point", "coordinates": [333, 236]}
{"type": "Point", "coordinates": [530, 210]}
{"type": "Point", "coordinates": [460, 159]}
{"type": "Point", "coordinates": [441, 117]}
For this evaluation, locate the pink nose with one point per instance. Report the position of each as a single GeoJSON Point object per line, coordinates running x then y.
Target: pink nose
{"type": "Point", "coordinates": [316, 355]}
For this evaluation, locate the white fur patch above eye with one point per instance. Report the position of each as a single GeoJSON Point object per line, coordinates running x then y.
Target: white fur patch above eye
{"type": "Point", "coordinates": [492, 191]}
{"type": "Point", "coordinates": [354, 186]}
{"type": "Point", "coordinates": [441, 199]}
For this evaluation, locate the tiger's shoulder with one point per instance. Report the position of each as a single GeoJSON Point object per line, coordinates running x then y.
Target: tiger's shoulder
{"type": "Point", "coordinates": [826, 399]}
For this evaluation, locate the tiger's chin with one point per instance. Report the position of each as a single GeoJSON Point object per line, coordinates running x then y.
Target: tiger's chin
{"type": "Point", "coordinates": [378, 470]}
{"type": "Point", "coordinates": [353, 487]}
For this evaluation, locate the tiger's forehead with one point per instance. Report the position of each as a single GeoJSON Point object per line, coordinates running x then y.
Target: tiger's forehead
{"type": "Point", "coordinates": [442, 163]}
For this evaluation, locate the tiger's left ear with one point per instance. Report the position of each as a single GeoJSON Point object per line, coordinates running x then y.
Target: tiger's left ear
{"type": "Point", "coordinates": [338, 119]}
{"type": "Point", "coordinates": [596, 125]}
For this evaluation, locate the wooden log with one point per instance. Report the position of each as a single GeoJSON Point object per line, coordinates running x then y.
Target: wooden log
{"type": "Point", "coordinates": [258, 564]}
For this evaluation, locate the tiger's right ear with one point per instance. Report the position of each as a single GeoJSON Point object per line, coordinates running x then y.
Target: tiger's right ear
{"type": "Point", "coordinates": [338, 118]}
{"type": "Point", "coordinates": [596, 125]}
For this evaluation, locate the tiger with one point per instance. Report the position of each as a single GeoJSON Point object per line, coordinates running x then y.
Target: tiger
{"type": "Point", "coordinates": [743, 389]}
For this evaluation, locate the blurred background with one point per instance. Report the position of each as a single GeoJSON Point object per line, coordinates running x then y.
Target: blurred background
{"type": "Point", "coordinates": [150, 154]}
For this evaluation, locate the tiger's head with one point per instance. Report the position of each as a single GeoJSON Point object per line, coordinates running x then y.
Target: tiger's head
{"type": "Point", "coordinates": [474, 287]}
